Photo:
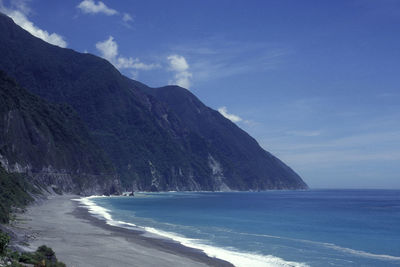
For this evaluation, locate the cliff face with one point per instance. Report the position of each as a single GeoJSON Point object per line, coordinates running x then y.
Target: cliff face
{"type": "Point", "coordinates": [49, 143]}
{"type": "Point", "coordinates": [157, 139]}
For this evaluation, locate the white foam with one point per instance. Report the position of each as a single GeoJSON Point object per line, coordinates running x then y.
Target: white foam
{"type": "Point", "coordinates": [239, 259]}
{"type": "Point", "coordinates": [95, 209]}
{"type": "Point", "coordinates": [103, 213]}
{"type": "Point", "coordinates": [362, 253]}
{"type": "Point", "coordinates": [335, 247]}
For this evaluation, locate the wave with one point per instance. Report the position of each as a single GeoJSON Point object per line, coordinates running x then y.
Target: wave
{"type": "Point", "coordinates": [360, 253]}
{"type": "Point", "coordinates": [103, 213]}
{"type": "Point", "coordinates": [94, 209]}
{"type": "Point", "coordinates": [237, 258]}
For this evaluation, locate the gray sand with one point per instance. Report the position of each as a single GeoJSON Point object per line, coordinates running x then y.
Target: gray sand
{"type": "Point", "coordinates": [81, 240]}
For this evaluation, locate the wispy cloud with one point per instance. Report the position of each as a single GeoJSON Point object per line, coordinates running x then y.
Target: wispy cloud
{"type": "Point", "coordinates": [127, 18]}
{"type": "Point", "coordinates": [21, 5]}
{"type": "Point", "coordinates": [331, 144]}
{"type": "Point", "coordinates": [91, 7]}
{"type": "Point", "coordinates": [179, 65]}
{"type": "Point", "coordinates": [217, 57]}
{"type": "Point", "coordinates": [19, 13]}
{"type": "Point", "coordinates": [356, 147]}
{"type": "Point", "coordinates": [304, 133]}
{"type": "Point", "coordinates": [339, 157]}
{"type": "Point", "coordinates": [109, 50]}
{"type": "Point", "coordinates": [224, 112]}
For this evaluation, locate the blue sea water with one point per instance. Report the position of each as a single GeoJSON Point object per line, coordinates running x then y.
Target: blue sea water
{"type": "Point", "coordinates": [274, 228]}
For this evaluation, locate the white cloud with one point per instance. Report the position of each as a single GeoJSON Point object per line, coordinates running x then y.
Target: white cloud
{"type": "Point", "coordinates": [134, 63]}
{"type": "Point", "coordinates": [22, 20]}
{"type": "Point", "coordinates": [183, 79]}
{"type": "Point", "coordinates": [179, 65]}
{"type": "Point", "coordinates": [109, 50]}
{"type": "Point", "coordinates": [91, 7]}
{"type": "Point", "coordinates": [127, 18]}
{"type": "Point", "coordinates": [229, 116]}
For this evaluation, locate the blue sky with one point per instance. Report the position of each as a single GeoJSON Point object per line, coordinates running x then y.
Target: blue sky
{"type": "Point", "coordinates": [317, 83]}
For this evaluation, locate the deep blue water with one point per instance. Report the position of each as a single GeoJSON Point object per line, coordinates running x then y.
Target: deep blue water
{"type": "Point", "coordinates": [316, 227]}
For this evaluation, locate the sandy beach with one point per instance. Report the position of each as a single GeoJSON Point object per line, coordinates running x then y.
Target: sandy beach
{"type": "Point", "coordinates": [80, 240]}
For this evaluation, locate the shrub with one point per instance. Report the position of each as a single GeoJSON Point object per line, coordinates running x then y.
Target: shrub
{"type": "Point", "coordinates": [4, 239]}
{"type": "Point", "coordinates": [44, 256]}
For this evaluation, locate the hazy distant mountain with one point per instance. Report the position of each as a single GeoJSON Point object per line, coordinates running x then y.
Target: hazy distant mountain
{"type": "Point", "coordinates": [158, 139]}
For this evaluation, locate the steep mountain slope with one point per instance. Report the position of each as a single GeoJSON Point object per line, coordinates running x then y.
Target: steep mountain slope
{"type": "Point", "coordinates": [144, 134]}
{"type": "Point", "coordinates": [49, 143]}
{"type": "Point", "coordinates": [231, 150]}
{"type": "Point", "coordinates": [127, 123]}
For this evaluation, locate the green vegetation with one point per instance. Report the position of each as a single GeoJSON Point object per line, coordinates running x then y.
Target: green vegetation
{"type": "Point", "coordinates": [43, 257]}
{"type": "Point", "coordinates": [14, 190]}
{"type": "Point", "coordinates": [4, 239]}
{"type": "Point", "coordinates": [13, 193]}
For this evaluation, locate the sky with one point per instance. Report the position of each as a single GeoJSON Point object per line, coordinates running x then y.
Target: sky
{"type": "Point", "coordinates": [316, 83]}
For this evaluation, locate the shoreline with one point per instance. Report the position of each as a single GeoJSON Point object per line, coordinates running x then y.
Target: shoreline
{"type": "Point", "coordinates": [163, 244]}
{"type": "Point", "coordinates": [80, 239]}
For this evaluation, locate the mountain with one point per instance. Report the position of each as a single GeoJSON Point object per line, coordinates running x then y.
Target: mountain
{"type": "Point", "coordinates": [231, 151]}
{"type": "Point", "coordinates": [157, 138]}
{"type": "Point", "coordinates": [49, 143]}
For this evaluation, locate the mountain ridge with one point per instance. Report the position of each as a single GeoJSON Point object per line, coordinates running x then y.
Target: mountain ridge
{"type": "Point", "coordinates": [151, 143]}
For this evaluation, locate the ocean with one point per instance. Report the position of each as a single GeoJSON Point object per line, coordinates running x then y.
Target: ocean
{"type": "Point", "coordinates": [273, 228]}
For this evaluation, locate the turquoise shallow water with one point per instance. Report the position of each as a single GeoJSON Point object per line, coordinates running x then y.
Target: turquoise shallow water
{"type": "Point", "coordinates": [275, 228]}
